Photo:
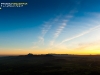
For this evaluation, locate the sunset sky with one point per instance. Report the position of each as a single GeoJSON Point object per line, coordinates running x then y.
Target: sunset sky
{"type": "Point", "coordinates": [50, 26]}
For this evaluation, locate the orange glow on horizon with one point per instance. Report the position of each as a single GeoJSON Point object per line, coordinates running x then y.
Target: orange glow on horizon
{"type": "Point", "coordinates": [78, 52]}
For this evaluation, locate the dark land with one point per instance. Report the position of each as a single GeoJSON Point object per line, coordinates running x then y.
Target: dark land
{"type": "Point", "coordinates": [50, 65]}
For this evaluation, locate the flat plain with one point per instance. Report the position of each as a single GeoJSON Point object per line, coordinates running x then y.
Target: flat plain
{"type": "Point", "coordinates": [50, 65]}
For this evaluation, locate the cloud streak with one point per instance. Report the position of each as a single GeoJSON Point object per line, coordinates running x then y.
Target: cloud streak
{"type": "Point", "coordinates": [46, 27]}
{"type": "Point", "coordinates": [79, 35]}
{"type": "Point", "coordinates": [63, 24]}
{"type": "Point", "coordinates": [59, 30]}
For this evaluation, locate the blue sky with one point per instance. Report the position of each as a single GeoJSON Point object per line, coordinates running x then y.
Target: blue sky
{"type": "Point", "coordinates": [50, 26]}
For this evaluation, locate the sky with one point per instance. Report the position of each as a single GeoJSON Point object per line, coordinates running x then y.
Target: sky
{"type": "Point", "coordinates": [50, 26]}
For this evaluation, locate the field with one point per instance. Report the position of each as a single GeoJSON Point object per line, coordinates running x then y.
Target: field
{"type": "Point", "coordinates": [60, 65]}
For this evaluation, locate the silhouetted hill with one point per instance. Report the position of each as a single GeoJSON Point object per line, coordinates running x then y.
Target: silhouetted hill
{"type": "Point", "coordinates": [32, 55]}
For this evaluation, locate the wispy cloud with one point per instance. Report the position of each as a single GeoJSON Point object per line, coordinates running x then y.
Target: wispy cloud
{"type": "Point", "coordinates": [41, 40]}
{"type": "Point", "coordinates": [73, 11]}
{"type": "Point", "coordinates": [46, 27]}
{"type": "Point", "coordinates": [96, 14]}
{"type": "Point", "coordinates": [62, 25]}
{"type": "Point", "coordinates": [59, 30]}
{"type": "Point", "coordinates": [51, 43]}
{"type": "Point", "coordinates": [91, 45]}
{"type": "Point", "coordinates": [34, 47]}
{"type": "Point", "coordinates": [38, 43]}
{"type": "Point", "coordinates": [81, 34]}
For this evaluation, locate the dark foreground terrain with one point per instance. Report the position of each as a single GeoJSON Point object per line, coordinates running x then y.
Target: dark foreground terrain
{"type": "Point", "coordinates": [50, 65]}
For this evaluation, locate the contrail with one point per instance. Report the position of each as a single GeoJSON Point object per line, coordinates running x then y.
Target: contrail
{"type": "Point", "coordinates": [79, 35]}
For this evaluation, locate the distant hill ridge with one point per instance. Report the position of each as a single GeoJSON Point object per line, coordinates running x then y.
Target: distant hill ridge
{"type": "Point", "coordinates": [32, 55]}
